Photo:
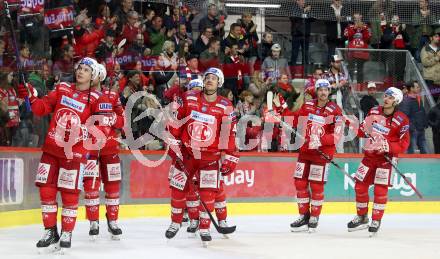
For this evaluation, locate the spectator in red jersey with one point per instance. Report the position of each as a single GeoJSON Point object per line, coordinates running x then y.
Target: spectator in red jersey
{"type": "Point", "coordinates": [87, 38]}
{"type": "Point", "coordinates": [131, 28]}
{"type": "Point", "coordinates": [9, 96]}
{"type": "Point", "coordinates": [358, 35]}
{"type": "Point", "coordinates": [191, 71]}
{"type": "Point", "coordinates": [104, 15]}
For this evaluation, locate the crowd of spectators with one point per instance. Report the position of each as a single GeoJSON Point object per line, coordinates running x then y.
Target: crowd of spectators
{"type": "Point", "coordinates": [158, 49]}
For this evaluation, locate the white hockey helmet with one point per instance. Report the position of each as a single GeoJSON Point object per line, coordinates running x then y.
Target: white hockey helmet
{"type": "Point", "coordinates": [91, 63]}
{"type": "Point", "coordinates": [322, 83]}
{"type": "Point", "coordinates": [194, 83]}
{"type": "Point", "coordinates": [396, 93]}
{"type": "Point", "coordinates": [218, 73]}
{"type": "Point", "coordinates": [102, 72]}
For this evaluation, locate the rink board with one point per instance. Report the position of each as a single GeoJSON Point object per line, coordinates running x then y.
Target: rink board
{"type": "Point", "coordinates": [261, 184]}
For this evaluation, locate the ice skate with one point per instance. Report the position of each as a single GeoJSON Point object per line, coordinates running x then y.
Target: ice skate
{"type": "Point", "coordinates": [185, 219]}
{"type": "Point", "coordinates": [65, 241]}
{"type": "Point", "coordinates": [172, 230]}
{"type": "Point", "coordinates": [49, 242]}
{"type": "Point", "coordinates": [358, 223]}
{"type": "Point", "coordinates": [94, 230]}
{"type": "Point", "coordinates": [205, 236]}
{"type": "Point", "coordinates": [301, 224]}
{"type": "Point", "coordinates": [374, 228]}
{"type": "Point", "coordinates": [193, 227]}
{"type": "Point", "coordinates": [313, 224]}
{"type": "Point", "coordinates": [114, 229]}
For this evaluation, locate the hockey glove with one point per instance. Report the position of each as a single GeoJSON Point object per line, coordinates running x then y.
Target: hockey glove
{"type": "Point", "coordinates": [175, 150]}
{"type": "Point", "coordinates": [27, 91]}
{"type": "Point", "coordinates": [228, 165]}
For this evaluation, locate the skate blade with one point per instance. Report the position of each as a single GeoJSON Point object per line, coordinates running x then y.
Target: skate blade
{"type": "Point", "coordinates": [300, 229]}
{"type": "Point", "coordinates": [49, 250]}
{"type": "Point", "coordinates": [225, 236]}
{"type": "Point", "coordinates": [192, 235]}
{"type": "Point", "coordinates": [362, 227]}
{"type": "Point", "coordinates": [373, 234]}
{"type": "Point", "coordinates": [93, 238]}
{"type": "Point", "coordinates": [205, 244]}
{"type": "Point", "coordinates": [63, 251]}
{"type": "Point", "coordinates": [312, 230]}
{"type": "Point", "coordinates": [115, 237]}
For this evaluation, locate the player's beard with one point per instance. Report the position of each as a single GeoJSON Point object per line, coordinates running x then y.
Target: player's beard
{"type": "Point", "coordinates": [209, 92]}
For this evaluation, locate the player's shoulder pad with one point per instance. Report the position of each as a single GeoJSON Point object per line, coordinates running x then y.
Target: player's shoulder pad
{"type": "Point", "coordinates": [375, 110]}
{"type": "Point", "coordinates": [63, 87]}
{"type": "Point", "coordinates": [191, 96]}
{"type": "Point", "coordinates": [332, 107]}
{"type": "Point", "coordinates": [401, 117]}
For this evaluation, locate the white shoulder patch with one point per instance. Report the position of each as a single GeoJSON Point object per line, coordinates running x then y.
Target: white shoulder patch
{"type": "Point", "coordinates": [191, 98]}
{"type": "Point", "coordinates": [329, 109]}
{"type": "Point", "coordinates": [221, 106]}
{"type": "Point", "coordinates": [396, 121]}
{"type": "Point", "coordinates": [95, 95]}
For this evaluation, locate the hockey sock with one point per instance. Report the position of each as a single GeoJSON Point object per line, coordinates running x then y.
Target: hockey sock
{"type": "Point", "coordinates": [192, 204]}
{"type": "Point", "coordinates": [362, 198]}
{"type": "Point", "coordinates": [49, 206]}
{"type": "Point", "coordinates": [302, 196]}
{"type": "Point", "coordinates": [112, 199]}
{"type": "Point", "coordinates": [177, 205]}
{"type": "Point", "coordinates": [70, 210]}
{"type": "Point", "coordinates": [317, 198]}
{"type": "Point", "coordinates": [380, 200]}
{"type": "Point", "coordinates": [208, 197]}
{"type": "Point", "coordinates": [220, 204]}
{"type": "Point", "coordinates": [91, 198]}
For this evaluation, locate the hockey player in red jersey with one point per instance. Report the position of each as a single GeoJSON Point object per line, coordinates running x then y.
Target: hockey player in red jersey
{"type": "Point", "coordinates": [61, 165]}
{"type": "Point", "coordinates": [321, 119]}
{"type": "Point", "coordinates": [208, 129]}
{"type": "Point", "coordinates": [192, 201]}
{"type": "Point", "coordinates": [105, 165]}
{"type": "Point", "coordinates": [388, 135]}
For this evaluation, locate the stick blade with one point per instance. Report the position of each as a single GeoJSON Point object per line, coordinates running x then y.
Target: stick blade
{"type": "Point", "coordinates": [226, 230]}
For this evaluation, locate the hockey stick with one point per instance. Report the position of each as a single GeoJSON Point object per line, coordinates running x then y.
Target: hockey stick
{"type": "Point", "coordinates": [221, 230]}
{"type": "Point", "coordinates": [289, 127]}
{"type": "Point", "coordinates": [17, 54]}
{"type": "Point", "coordinates": [388, 159]}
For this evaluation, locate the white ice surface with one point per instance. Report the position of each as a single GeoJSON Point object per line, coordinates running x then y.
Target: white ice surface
{"type": "Point", "coordinates": [401, 236]}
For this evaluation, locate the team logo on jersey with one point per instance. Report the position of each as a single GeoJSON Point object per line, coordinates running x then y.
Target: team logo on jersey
{"type": "Point", "coordinates": [200, 132]}
{"type": "Point", "coordinates": [72, 103]}
{"type": "Point", "coordinates": [379, 128]}
{"type": "Point", "coordinates": [64, 116]}
{"type": "Point", "coordinates": [204, 109]}
{"type": "Point", "coordinates": [105, 107]}
{"type": "Point", "coordinates": [202, 117]}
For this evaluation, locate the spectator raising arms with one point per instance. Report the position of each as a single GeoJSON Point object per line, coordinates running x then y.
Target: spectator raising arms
{"type": "Point", "coordinates": [210, 20]}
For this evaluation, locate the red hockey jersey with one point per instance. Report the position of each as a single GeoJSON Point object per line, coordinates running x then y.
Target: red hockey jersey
{"type": "Point", "coordinates": [208, 127]}
{"type": "Point", "coordinates": [67, 130]}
